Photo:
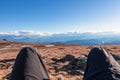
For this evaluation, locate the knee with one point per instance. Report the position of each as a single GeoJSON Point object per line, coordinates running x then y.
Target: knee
{"type": "Point", "coordinates": [28, 50]}
{"type": "Point", "coordinates": [96, 49]}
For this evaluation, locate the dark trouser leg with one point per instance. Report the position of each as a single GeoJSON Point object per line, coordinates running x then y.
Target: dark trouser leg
{"type": "Point", "coordinates": [101, 66]}
{"type": "Point", "coordinates": [29, 66]}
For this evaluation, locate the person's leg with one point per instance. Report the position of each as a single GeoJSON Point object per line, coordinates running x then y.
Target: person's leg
{"type": "Point", "coordinates": [101, 66]}
{"type": "Point", "coordinates": [29, 66]}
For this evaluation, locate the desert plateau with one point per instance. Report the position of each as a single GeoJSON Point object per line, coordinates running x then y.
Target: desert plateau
{"type": "Point", "coordinates": [62, 61]}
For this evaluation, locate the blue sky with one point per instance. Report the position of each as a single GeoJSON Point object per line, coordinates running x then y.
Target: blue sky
{"type": "Point", "coordinates": [60, 15]}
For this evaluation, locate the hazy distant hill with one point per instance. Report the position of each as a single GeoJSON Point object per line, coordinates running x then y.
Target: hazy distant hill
{"type": "Point", "coordinates": [66, 38]}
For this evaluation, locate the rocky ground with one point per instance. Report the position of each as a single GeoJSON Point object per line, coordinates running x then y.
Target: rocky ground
{"type": "Point", "coordinates": [62, 61]}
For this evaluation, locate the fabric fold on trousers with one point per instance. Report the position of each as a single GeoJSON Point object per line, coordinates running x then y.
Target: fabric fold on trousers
{"type": "Point", "coordinates": [101, 66]}
{"type": "Point", "coordinates": [29, 66]}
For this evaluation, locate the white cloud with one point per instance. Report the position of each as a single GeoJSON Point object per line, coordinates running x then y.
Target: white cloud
{"type": "Point", "coordinates": [30, 33]}
{"type": "Point", "coordinates": [25, 33]}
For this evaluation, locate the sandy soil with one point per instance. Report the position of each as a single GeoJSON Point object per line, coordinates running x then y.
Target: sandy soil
{"type": "Point", "coordinates": [9, 51]}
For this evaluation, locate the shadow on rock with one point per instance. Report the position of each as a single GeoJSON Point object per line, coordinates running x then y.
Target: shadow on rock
{"type": "Point", "coordinates": [75, 66]}
{"type": "Point", "coordinates": [7, 60]}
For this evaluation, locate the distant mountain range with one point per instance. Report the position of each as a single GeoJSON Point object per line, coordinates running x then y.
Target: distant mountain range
{"type": "Point", "coordinates": [87, 38]}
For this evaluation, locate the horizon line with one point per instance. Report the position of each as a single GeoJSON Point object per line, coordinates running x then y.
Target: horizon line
{"type": "Point", "coordinates": [39, 33]}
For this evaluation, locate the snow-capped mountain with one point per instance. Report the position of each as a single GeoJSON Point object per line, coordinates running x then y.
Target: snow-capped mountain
{"type": "Point", "coordinates": [87, 38]}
